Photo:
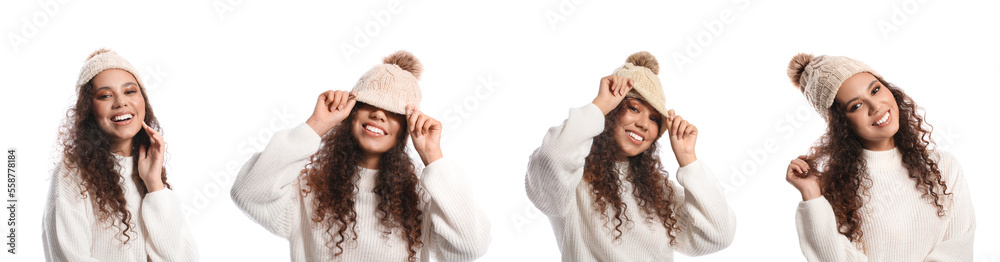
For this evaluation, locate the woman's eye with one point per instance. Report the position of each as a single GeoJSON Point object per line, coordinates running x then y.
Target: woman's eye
{"type": "Point", "coordinates": [129, 92]}
{"type": "Point", "coordinates": [876, 89]}
{"type": "Point", "coordinates": [633, 108]}
{"type": "Point", "coordinates": [655, 120]}
{"type": "Point", "coordinates": [855, 107]}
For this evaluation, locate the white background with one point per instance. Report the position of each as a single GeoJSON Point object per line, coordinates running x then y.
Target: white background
{"type": "Point", "coordinates": [224, 75]}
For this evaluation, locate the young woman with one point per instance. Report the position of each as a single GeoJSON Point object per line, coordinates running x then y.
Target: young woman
{"type": "Point", "coordinates": [872, 188]}
{"type": "Point", "coordinates": [358, 198]}
{"type": "Point", "coordinates": [109, 199]}
{"type": "Point", "coordinates": [599, 179]}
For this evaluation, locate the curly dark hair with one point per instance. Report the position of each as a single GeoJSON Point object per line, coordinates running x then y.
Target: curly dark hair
{"type": "Point", "coordinates": [330, 175]}
{"type": "Point", "coordinates": [652, 190]}
{"type": "Point", "coordinates": [87, 153]}
{"type": "Point", "coordinates": [844, 178]}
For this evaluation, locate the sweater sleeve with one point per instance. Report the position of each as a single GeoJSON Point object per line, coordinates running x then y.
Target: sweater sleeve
{"type": "Point", "coordinates": [555, 169]}
{"type": "Point", "coordinates": [66, 230]}
{"type": "Point", "coordinates": [818, 235]}
{"type": "Point", "coordinates": [266, 187]}
{"type": "Point", "coordinates": [707, 223]}
{"type": "Point", "coordinates": [459, 230]}
{"type": "Point", "coordinates": [956, 243]}
{"type": "Point", "coordinates": [168, 237]}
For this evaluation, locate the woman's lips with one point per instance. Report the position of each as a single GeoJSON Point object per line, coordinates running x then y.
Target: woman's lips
{"type": "Point", "coordinates": [636, 138]}
{"type": "Point", "coordinates": [885, 120]}
{"type": "Point", "coordinates": [373, 130]}
{"type": "Point", "coordinates": [122, 119]}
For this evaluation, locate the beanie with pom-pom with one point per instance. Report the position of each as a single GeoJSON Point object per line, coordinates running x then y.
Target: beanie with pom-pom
{"type": "Point", "coordinates": [819, 78]}
{"type": "Point", "coordinates": [642, 68]}
{"type": "Point", "coordinates": [104, 59]}
{"type": "Point", "coordinates": [391, 85]}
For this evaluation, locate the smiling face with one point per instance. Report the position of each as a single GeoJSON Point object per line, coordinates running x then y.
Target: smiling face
{"type": "Point", "coordinates": [639, 125]}
{"type": "Point", "coordinates": [119, 106]}
{"type": "Point", "coordinates": [871, 110]}
{"type": "Point", "coordinates": [376, 129]}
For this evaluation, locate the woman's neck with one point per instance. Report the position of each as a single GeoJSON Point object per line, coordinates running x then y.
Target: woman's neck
{"type": "Point", "coordinates": [122, 147]}
{"type": "Point", "coordinates": [883, 145]}
{"type": "Point", "coordinates": [370, 160]}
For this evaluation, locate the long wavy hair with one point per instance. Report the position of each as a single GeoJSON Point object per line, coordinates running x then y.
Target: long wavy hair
{"type": "Point", "coordinates": [331, 175]}
{"type": "Point", "coordinates": [844, 176]}
{"type": "Point", "coordinates": [651, 188]}
{"type": "Point", "coordinates": [87, 153]}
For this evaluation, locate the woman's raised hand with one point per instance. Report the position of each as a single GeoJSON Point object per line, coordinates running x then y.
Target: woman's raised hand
{"type": "Point", "coordinates": [683, 136]}
{"type": "Point", "coordinates": [151, 160]}
{"type": "Point", "coordinates": [426, 134]}
{"type": "Point", "coordinates": [799, 175]}
{"type": "Point", "coordinates": [613, 90]}
{"type": "Point", "coordinates": [332, 107]}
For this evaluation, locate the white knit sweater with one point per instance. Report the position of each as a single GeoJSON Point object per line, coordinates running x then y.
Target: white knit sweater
{"type": "Point", "coordinates": [268, 190]}
{"type": "Point", "coordinates": [72, 230]}
{"type": "Point", "coordinates": [898, 224]}
{"type": "Point", "coordinates": [555, 185]}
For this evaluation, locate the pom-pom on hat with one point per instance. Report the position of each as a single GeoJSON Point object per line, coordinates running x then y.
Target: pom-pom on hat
{"type": "Point", "coordinates": [819, 78]}
{"type": "Point", "coordinates": [393, 84]}
{"type": "Point", "coordinates": [104, 59]}
{"type": "Point", "coordinates": [643, 69]}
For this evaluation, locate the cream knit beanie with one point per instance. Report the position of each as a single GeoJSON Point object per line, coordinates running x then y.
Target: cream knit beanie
{"type": "Point", "coordinates": [820, 77]}
{"type": "Point", "coordinates": [642, 68]}
{"type": "Point", "coordinates": [104, 59]}
{"type": "Point", "coordinates": [393, 84]}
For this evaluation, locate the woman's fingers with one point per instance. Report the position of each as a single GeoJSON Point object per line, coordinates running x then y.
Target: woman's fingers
{"type": "Point", "coordinates": [345, 98]}
{"type": "Point", "coordinates": [411, 120]}
{"type": "Point", "coordinates": [154, 136]}
{"type": "Point", "coordinates": [350, 103]}
{"type": "Point", "coordinates": [685, 130]}
{"type": "Point", "coordinates": [674, 125]}
{"type": "Point", "coordinates": [421, 120]}
{"type": "Point", "coordinates": [800, 165]}
{"type": "Point", "coordinates": [156, 143]}
{"type": "Point", "coordinates": [431, 124]}
{"type": "Point", "coordinates": [329, 100]}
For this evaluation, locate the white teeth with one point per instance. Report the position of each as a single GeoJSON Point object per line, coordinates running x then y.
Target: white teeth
{"type": "Point", "coordinates": [374, 130]}
{"type": "Point", "coordinates": [122, 117]}
{"type": "Point", "coordinates": [635, 136]}
{"type": "Point", "coordinates": [883, 119]}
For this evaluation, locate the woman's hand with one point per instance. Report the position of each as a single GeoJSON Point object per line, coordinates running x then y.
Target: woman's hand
{"type": "Point", "coordinates": [151, 160]}
{"type": "Point", "coordinates": [331, 108]}
{"type": "Point", "coordinates": [799, 176]}
{"type": "Point", "coordinates": [426, 134]}
{"type": "Point", "coordinates": [613, 90]}
{"type": "Point", "coordinates": [683, 136]}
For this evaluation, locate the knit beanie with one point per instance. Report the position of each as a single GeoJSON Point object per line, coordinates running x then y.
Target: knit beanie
{"type": "Point", "coordinates": [391, 85]}
{"type": "Point", "coordinates": [104, 59]}
{"type": "Point", "coordinates": [642, 68]}
{"type": "Point", "coordinates": [820, 77]}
